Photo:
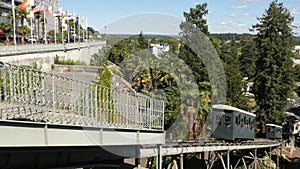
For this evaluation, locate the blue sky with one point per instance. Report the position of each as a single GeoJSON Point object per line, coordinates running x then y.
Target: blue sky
{"type": "Point", "coordinates": [132, 16]}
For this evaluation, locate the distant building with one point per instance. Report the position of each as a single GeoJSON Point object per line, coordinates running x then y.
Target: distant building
{"type": "Point", "coordinates": [297, 49]}
{"type": "Point", "coordinates": [6, 8]}
{"type": "Point", "coordinates": [158, 49]}
{"type": "Point", "coordinates": [49, 18]}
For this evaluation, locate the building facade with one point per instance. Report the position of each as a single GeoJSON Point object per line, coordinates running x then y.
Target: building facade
{"type": "Point", "coordinates": [6, 8]}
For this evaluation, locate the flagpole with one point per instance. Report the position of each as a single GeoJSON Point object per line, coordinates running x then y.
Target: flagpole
{"type": "Point", "coordinates": [45, 27]}
{"type": "Point", "coordinates": [31, 29]}
{"type": "Point", "coordinates": [79, 29]}
{"type": "Point", "coordinates": [62, 30]}
{"type": "Point", "coordinates": [74, 20]}
{"type": "Point", "coordinates": [87, 32]}
{"type": "Point", "coordinates": [14, 21]}
{"type": "Point", "coordinates": [68, 27]}
{"type": "Point", "coordinates": [55, 29]}
{"type": "Point", "coordinates": [83, 28]}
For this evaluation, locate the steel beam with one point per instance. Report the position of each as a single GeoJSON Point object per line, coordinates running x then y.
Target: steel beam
{"type": "Point", "coordinates": [28, 134]}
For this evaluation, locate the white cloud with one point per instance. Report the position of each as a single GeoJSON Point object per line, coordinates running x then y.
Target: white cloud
{"type": "Point", "coordinates": [228, 26]}
{"type": "Point", "coordinates": [232, 24]}
{"type": "Point", "coordinates": [240, 7]}
{"type": "Point", "coordinates": [239, 15]}
{"type": "Point", "coordinates": [195, 3]}
{"type": "Point", "coordinates": [233, 15]}
{"type": "Point", "coordinates": [295, 11]}
{"type": "Point", "coordinates": [251, 0]}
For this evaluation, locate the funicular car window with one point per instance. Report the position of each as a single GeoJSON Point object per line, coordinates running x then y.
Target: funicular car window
{"type": "Point", "coordinates": [237, 121]}
{"type": "Point", "coordinates": [218, 120]}
{"type": "Point", "coordinates": [269, 130]}
{"type": "Point", "coordinates": [227, 121]}
{"type": "Point", "coordinates": [252, 124]}
{"type": "Point", "coordinates": [242, 122]}
{"type": "Point", "coordinates": [278, 131]}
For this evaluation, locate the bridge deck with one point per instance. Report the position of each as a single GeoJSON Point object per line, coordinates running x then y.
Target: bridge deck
{"type": "Point", "coordinates": [176, 149]}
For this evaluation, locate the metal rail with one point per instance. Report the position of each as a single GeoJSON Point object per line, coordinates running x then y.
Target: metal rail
{"type": "Point", "coordinates": [38, 48]}
{"type": "Point", "coordinates": [32, 95]}
{"type": "Point", "coordinates": [176, 149]}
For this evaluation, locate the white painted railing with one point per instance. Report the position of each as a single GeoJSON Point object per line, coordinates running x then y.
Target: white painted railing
{"type": "Point", "coordinates": [35, 48]}
{"type": "Point", "coordinates": [32, 95]}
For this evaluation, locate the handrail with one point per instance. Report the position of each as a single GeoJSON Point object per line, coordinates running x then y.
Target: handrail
{"type": "Point", "coordinates": [38, 48]}
{"type": "Point", "coordinates": [33, 95]}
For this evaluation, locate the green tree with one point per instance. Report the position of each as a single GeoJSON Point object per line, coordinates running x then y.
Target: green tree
{"type": "Point", "coordinates": [6, 27]}
{"type": "Point", "coordinates": [274, 80]}
{"type": "Point", "coordinates": [196, 17]}
{"type": "Point", "coordinates": [24, 31]}
{"type": "Point", "coordinates": [1, 6]}
{"type": "Point", "coordinates": [194, 23]}
{"type": "Point", "coordinates": [230, 57]}
{"type": "Point", "coordinates": [23, 14]}
{"type": "Point", "coordinates": [142, 41]}
{"type": "Point", "coordinates": [43, 20]}
{"type": "Point", "coordinates": [249, 55]}
{"type": "Point", "coordinates": [11, 18]}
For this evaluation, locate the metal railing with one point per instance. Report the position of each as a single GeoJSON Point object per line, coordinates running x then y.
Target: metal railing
{"type": "Point", "coordinates": [35, 48]}
{"type": "Point", "coordinates": [32, 95]}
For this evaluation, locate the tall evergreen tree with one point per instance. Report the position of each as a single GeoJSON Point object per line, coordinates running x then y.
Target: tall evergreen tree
{"type": "Point", "coordinates": [230, 57]}
{"type": "Point", "coordinates": [274, 78]}
{"type": "Point", "coordinates": [196, 17]}
{"type": "Point", "coordinates": [195, 49]}
{"type": "Point", "coordinates": [142, 41]}
{"type": "Point", "coordinates": [248, 56]}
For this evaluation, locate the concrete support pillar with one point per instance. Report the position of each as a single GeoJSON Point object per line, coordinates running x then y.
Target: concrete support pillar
{"type": "Point", "coordinates": [181, 161]}
{"type": "Point", "coordinates": [137, 157]}
{"type": "Point", "coordinates": [159, 158]}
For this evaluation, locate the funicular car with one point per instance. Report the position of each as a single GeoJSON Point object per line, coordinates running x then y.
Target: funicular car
{"type": "Point", "coordinates": [231, 123]}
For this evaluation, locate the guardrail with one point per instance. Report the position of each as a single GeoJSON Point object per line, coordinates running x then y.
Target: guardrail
{"type": "Point", "coordinates": [38, 48]}
{"type": "Point", "coordinates": [31, 95]}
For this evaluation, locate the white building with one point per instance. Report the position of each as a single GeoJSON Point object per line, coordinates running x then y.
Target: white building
{"type": "Point", "coordinates": [158, 49]}
{"type": "Point", "coordinates": [297, 49]}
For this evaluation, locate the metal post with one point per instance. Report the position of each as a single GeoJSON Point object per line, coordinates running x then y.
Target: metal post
{"type": "Point", "coordinates": [222, 160]}
{"type": "Point", "coordinates": [270, 157]}
{"type": "Point", "coordinates": [228, 159]}
{"type": "Point", "coordinates": [181, 161]}
{"type": "Point", "coordinates": [255, 159]}
{"type": "Point", "coordinates": [137, 157]}
{"type": "Point", "coordinates": [55, 27]}
{"type": "Point", "coordinates": [45, 25]}
{"type": "Point", "coordinates": [14, 21]}
{"type": "Point", "coordinates": [159, 158]}
{"type": "Point", "coordinates": [277, 152]}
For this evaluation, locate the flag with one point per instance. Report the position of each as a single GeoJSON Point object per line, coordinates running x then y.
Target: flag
{"type": "Point", "coordinates": [38, 8]}
{"type": "Point", "coordinates": [31, 15]}
{"type": "Point", "coordinates": [72, 15]}
{"type": "Point", "coordinates": [64, 14]}
{"type": "Point", "coordinates": [58, 12]}
{"type": "Point", "coordinates": [48, 10]}
{"type": "Point", "coordinates": [82, 21]}
{"type": "Point", "coordinates": [24, 5]}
